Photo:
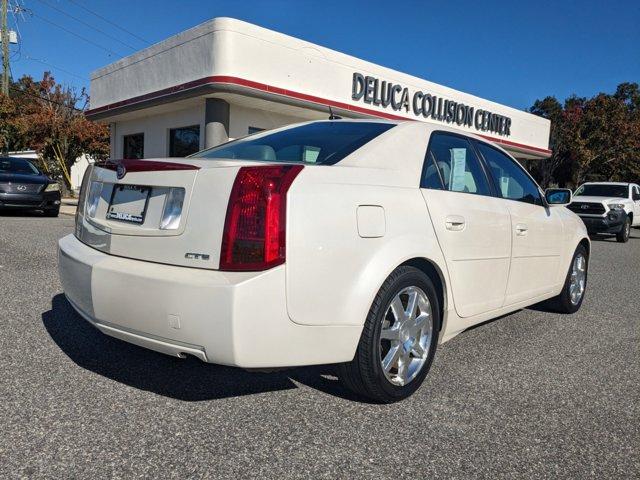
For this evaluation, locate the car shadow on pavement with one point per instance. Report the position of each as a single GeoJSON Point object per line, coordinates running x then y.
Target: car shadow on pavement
{"type": "Point", "coordinates": [20, 213]}
{"type": "Point", "coordinates": [183, 379]}
{"type": "Point", "coordinates": [612, 239]}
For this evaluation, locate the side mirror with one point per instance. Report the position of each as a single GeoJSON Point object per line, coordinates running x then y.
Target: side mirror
{"type": "Point", "coordinates": [558, 196]}
{"type": "Point", "coordinates": [636, 197]}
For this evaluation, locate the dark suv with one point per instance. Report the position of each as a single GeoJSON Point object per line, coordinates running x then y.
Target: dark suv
{"type": "Point", "coordinates": [23, 186]}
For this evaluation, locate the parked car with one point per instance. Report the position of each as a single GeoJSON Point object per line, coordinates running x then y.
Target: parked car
{"type": "Point", "coordinates": [24, 186]}
{"type": "Point", "coordinates": [608, 208]}
{"type": "Point", "coordinates": [362, 243]}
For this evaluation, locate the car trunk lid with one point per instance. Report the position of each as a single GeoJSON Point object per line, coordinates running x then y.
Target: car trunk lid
{"type": "Point", "coordinates": [167, 211]}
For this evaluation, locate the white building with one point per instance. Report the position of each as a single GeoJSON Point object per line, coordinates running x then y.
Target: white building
{"type": "Point", "coordinates": [226, 78]}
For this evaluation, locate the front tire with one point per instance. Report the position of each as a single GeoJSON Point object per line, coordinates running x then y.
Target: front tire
{"type": "Point", "coordinates": [575, 284]}
{"type": "Point", "coordinates": [54, 212]}
{"type": "Point", "coordinates": [623, 235]}
{"type": "Point", "coordinates": [398, 341]}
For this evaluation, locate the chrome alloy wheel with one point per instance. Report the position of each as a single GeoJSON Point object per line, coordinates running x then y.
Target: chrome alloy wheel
{"type": "Point", "coordinates": [578, 278]}
{"type": "Point", "coordinates": [406, 333]}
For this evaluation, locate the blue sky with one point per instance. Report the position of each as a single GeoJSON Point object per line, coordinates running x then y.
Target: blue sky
{"type": "Point", "coordinates": [511, 52]}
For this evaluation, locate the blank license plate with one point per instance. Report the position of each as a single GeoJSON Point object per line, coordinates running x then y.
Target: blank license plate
{"type": "Point", "coordinates": [128, 203]}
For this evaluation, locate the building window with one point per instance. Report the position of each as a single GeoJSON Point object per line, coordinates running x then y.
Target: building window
{"type": "Point", "coordinates": [184, 141]}
{"type": "Point", "coordinates": [133, 146]}
{"type": "Point", "coordinates": [253, 130]}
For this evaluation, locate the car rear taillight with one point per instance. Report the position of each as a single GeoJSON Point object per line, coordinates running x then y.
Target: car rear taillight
{"type": "Point", "coordinates": [82, 196]}
{"type": "Point", "coordinates": [255, 227]}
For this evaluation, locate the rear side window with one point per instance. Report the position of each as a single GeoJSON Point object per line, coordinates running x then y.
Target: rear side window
{"type": "Point", "coordinates": [451, 164]}
{"type": "Point", "coordinates": [317, 143]}
{"type": "Point", "coordinates": [510, 178]}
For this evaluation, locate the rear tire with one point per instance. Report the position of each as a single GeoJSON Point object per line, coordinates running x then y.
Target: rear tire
{"type": "Point", "coordinates": [567, 301]}
{"type": "Point", "coordinates": [623, 235]}
{"type": "Point", "coordinates": [390, 366]}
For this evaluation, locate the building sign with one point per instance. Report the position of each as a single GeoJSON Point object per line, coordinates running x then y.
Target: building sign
{"type": "Point", "coordinates": [423, 104]}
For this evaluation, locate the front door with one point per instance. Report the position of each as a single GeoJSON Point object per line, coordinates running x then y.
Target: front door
{"type": "Point", "coordinates": [472, 226]}
{"type": "Point", "coordinates": [536, 230]}
{"type": "Point", "coordinates": [635, 196]}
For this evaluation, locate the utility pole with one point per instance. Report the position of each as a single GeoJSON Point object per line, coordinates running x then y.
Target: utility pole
{"type": "Point", "coordinates": [5, 49]}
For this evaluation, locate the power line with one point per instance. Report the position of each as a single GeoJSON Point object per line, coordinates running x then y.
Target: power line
{"type": "Point", "coordinates": [35, 95]}
{"type": "Point", "coordinates": [87, 24]}
{"type": "Point", "coordinates": [12, 9]}
{"type": "Point", "coordinates": [109, 22]}
{"type": "Point", "coordinates": [111, 52]}
{"type": "Point", "coordinates": [44, 62]}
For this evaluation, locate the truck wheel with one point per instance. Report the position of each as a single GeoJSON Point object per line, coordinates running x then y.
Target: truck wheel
{"type": "Point", "coordinates": [54, 212]}
{"type": "Point", "coordinates": [575, 284]}
{"type": "Point", "coordinates": [623, 235]}
{"type": "Point", "coordinates": [398, 341]}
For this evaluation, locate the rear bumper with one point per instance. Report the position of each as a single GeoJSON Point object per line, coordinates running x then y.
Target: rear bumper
{"type": "Point", "coordinates": [39, 201]}
{"type": "Point", "coordinates": [611, 223]}
{"type": "Point", "coordinates": [231, 318]}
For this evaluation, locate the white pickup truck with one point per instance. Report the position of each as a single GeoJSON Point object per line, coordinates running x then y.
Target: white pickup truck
{"type": "Point", "coordinates": [608, 207]}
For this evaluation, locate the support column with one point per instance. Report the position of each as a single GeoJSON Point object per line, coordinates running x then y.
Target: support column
{"type": "Point", "coordinates": [113, 141]}
{"type": "Point", "coordinates": [216, 122]}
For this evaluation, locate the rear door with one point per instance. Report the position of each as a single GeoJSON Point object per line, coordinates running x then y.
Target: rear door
{"type": "Point", "coordinates": [536, 230]}
{"type": "Point", "coordinates": [472, 225]}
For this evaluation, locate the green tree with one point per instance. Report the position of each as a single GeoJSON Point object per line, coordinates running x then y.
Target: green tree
{"type": "Point", "coordinates": [544, 170]}
{"type": "Point", "coordinates": [49, 117]}
{"type": "Point", "coordinates": [592, 139]}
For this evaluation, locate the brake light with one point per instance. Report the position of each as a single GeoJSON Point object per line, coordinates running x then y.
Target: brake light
{"type": "Point", "coordinates": [82, 196]}
{"type": "Point", "coordinates": [255, 227]}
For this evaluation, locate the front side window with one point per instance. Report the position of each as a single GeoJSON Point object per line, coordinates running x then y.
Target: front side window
{"type": "Point", "coordinates": [184, 141]}
{"type": "Point", "coordinates": [451, 164]}
{"type": "Point", "coordinates": [602, 190]}
{"type": "Point", "coordinates": [510, 179]}
{"type": "Point", "coordinates": [318, 143]}
{"type": "Point", "coordinates": [17, 165]}
{"type": "Point", "coordinates": [133, 146]}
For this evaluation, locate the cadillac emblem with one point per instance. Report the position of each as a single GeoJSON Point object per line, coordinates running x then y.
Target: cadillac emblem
{"type": "Point", "coordinates": [120, 171]}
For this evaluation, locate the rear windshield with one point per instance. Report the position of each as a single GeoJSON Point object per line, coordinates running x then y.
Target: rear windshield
{"type": "Point", "coordinates": [17, 165]}
{"type": "Point", "coordinates": [603, 190]}
{"type": "Point", "coordinates": [321, 143]}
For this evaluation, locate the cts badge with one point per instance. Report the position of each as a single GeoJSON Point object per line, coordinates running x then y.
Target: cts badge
{"type": "Point", "coordinates": [120, 171]}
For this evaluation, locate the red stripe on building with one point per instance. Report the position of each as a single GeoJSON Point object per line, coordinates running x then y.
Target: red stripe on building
{"type": "Point", "coordinates": [263, 87]}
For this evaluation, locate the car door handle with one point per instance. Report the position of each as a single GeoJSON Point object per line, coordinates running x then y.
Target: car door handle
{"type": "Point", "coordinates": [454, 223]}
{"type": "Point", "coordinates": [521, 229]}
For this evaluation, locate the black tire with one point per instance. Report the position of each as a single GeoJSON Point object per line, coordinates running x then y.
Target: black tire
{"type": "Point", "coordinates": [54, 212]}
{"type": "Point", "coordinates": [623, 235]}
{"type": "Point", "coordinates": [364, 374]}
{"type": "Point", "coordinates": [562, 303]}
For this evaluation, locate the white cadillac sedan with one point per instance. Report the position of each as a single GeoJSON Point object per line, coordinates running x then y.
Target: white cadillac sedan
{"type": "Point", "coordinates": [362, 243]}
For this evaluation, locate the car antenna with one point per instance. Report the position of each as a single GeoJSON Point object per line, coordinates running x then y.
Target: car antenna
{"type": "Point", "coordinates": [332, 116]}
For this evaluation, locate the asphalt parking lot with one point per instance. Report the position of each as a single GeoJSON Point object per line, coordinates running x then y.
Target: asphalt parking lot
{"type": "Point", "coordinates": [531, 395]}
